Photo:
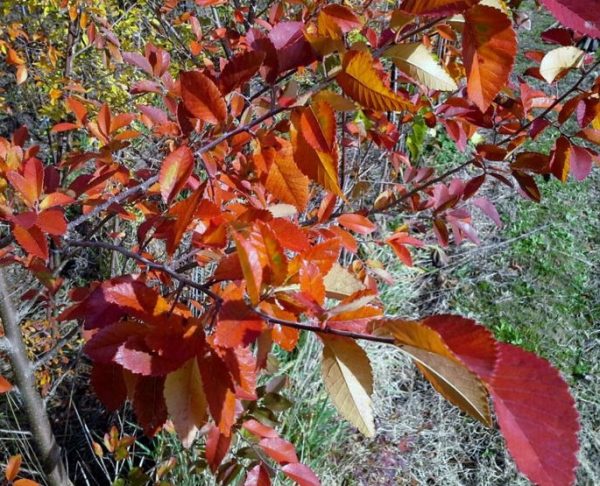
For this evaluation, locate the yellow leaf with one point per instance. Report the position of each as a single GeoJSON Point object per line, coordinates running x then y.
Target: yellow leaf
{"type": "Point", "coordinates": [340, 283]}
{"type": "Point", "coordinates": [361, 82]}
{"type": "Point", "coordinates": [347, 375]}
{"type": "Point", "coordinates": [415, 60]}
{"type": "Point", "coordinates": [441, 367]}
{"type": "Point", "coordinates": [559, 60]}
{"type": "Point", "coordinates": [21, 74]}
{"type": "Point", "coordinates": [336, 101]}
{"type": "Point", "coordinates": [186, 402]}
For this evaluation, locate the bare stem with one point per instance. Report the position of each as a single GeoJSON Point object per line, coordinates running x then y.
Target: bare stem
{"type": "Point", "coordinates": [33, 406]}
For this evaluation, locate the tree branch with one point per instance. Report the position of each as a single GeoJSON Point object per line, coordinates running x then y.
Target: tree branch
{"type": "Point", "coordinates": [33, 406]}
{"type": "Point", "coordinates": [149, 263]}
{"type": "Point", "coordinates": [325, 330]}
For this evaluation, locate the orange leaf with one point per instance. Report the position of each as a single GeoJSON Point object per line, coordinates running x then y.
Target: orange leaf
{"type": "Point", "coordinates": [335, 20]}
{"type": "Point", "coordinates": [444, 370]}
{"type": "Point", "coordinates": [52, 221]}
{"type": "Point", "coordinates": [237, 325]}
{"type": "Point", "coordinates": [560, 162]}
{"type": "Point", "coordinates": [276, 259]}
{"type": "Point", "coordinates": [104, 120]}
{"type": "Point", "coordinates": [320, 166]}
{"type": "Point", "coordinates": [25, 482]}
{"type": "Point", "coordinates": [183, 214]}
{"type": "Point", "coordinates": [221, 396]}
{"type": "Point", "coordinates": [357, 223]}
{"type": "Point", "coordinates": [318, 126]}
{"type": "Point", "coordinates": [32, 240]}
{"type": "Point", "coordinates": [13, 467]}
{"type": "Point", "coordinates": [202, 98]}
{"type": "Point", "coordinates": [5, 386]}
{"type": "Point", "coordinates": [175, 171]}
{"type": "Point", "coordinates": [30, 184]}
{"type": "Point", "coordinates": [311, 282]}
{"type": "Point", "coordinates": [489, 50]}
{"type": "Point", "coordinates": [285, 180]}
{"type": "Point", "coordinates": [361, 82]}
{"type": "Point", "coordinates": [251, 266]}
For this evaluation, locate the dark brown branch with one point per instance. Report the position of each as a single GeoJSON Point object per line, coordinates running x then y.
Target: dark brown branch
{"type": "Point", "coordinates": [33, 406]}
{"type": "Point", "coordinates": [325, 330]}
{"type": "Point", "coordinates": [554, 104]}
{"type": "Point", "coordinates": [149, 263]}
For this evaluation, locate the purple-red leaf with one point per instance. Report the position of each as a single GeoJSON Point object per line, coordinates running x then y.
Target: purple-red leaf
{"type": "Point", "coordinates": [537, 416]}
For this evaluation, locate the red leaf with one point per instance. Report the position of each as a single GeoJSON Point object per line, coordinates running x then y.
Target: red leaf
{"type": "Point", "coordinates": [259, 429]}
{"type": "Point", "coordinates": [149, 404]}
{"type": "Point", "coordinates": [240, 69]}
{"type": "Point", "coordinates": [109, 385]}
{"type": "Point", "coordinates": [560, 163]}
{"type": "Point", "coordinates": [537, 416]}
{"type": "Point", "coordinates": [202, 98]}
{"type": "Point", "coordinates": [581, 162]}
{"type": "Point", "coordinates": [301, 474]}
{"type": "Point", "coordinates": [489, 209]}
{"type": "Point", "coordinates": [279, 450]}
{"type": "Point", "coordinates": [220, 392]}
{"type": "Point", "coordinates": [237, 325]}
{"type": "Point", "coordinates": [32, 240]}
{"type": "Point", "coordinates": [64, 127]}
{"type": "Point", "coordinates": [436, 7]}
{"type": "Point", "coordinates": [489, 50]}
{"type": "Point", "coordinates": [175, 171]}
{"type": "Point", "coordinates": [117, 298]}
{"type": "Point", "coordinates": [258, 476]}
{"type": "Point", "coordinates": [217, 446]}
{"type": "Point", "coordinates": [528, 185]}
{"type": "Point", "coordinates": [357, 223]}
{"type": "Point", "coordinates": [575, 14]}
{"type": "Point", "coordinates": [470, 342]}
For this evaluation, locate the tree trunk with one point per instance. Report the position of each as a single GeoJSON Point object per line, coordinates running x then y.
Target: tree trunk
{"type": "Point", "coordinates": [33, 406]}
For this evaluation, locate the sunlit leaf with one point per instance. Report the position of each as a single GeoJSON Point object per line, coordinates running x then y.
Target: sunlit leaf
{"type": "Point", "coordinates": [360, 81]}
{"type": "Point", "coordinates": [489, 50]}
{"type": "Point", "coordinates": [175, 171]}
{"type": "Point", "coordinates": [559, 60]}
{"type": "Point", "coordinates": [186, 401]}
{"type": "Point", "coordinates": [415, 60]}
{"type": "Point", "coordinates": [347, 375]}
{"type": "Point", "coordinates": [441, 367]}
